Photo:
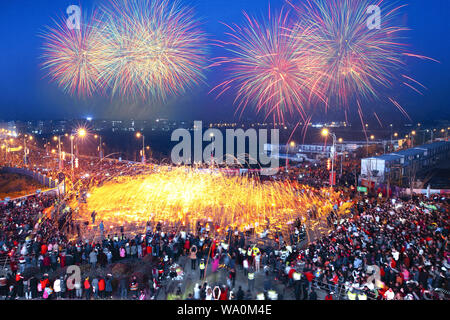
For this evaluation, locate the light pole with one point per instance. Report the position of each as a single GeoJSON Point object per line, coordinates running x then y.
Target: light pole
{"type": "Point", "coordinates": [391, 125]}
{"type": "Point", "coordinates": [342, 154]}
{"type": "Point", "coordinates": [80, 133]}
{"type": "Point", "coordinates": [100, 148]}
{"type": "Point", "coordinates": [325, 133]}
{"type": "Point", "coordinates": [292, 145]}
{"type": "Point", "coordinates": [71, 150]}
{"type": "Point", "coordinates": [25, 147]}
{"type": "Point", "coordinates": [58, 138]}
{"type": "Point", "coordinates": [139, 135]}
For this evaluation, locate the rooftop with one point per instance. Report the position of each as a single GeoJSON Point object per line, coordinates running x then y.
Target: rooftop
{"type": "Point", "coordinates": [412, 152]}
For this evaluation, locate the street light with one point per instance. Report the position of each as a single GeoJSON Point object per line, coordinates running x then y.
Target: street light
{"type": "Point", "coordinates": [292, 145]}
{"type": "Point", "coordinates": [100, 149]}
{"type": "Point", "coordinates": [139, 135]}
{"type": "Point", "coordinates": [325, 133]}
{"type": "Point", "coordinates": [58, 138]}
{"type": "Point", "coordinates": [81, 133]}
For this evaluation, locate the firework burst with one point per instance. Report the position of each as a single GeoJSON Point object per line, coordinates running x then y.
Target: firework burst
{"type": "Point", "coordinates": [270, 68]}
{"type": "Point", "coordinates": [153, 48]}
{"type": "Point", "coordinates": [356, 62]}
{"type": "Point", "coordinates": [71, 57]}
{"type": "Point", "coordinates": [143, 48]}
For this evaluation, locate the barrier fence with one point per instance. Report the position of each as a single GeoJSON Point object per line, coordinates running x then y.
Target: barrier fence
{"type": "Point", "coordinates": [42, 179]}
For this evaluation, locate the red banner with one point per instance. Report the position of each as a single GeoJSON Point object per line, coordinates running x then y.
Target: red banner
{"type": "Point", "coordinates": [333, 178]}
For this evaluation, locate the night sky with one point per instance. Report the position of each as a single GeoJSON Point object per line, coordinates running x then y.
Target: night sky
{"type": "Point", "coordinates": [25, 92]}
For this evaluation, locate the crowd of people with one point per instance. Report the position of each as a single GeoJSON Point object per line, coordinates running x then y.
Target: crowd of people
{"type": "Point", "coordinates": [391, 249]}
{"type": "Point", "coordinates": [385, 249]}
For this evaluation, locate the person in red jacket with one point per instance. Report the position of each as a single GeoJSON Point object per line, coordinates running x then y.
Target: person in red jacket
{"type": "Point", "coordinates": [46, 263]}
{"type": "Point", "coordinates": [291, 272]}
{"type": "Point", "coordinates": [144, 249]}
{"type": "Point", "coordinates": [329, 296]}
{"type": "Point", "coordinates": [44, 282]}
{"type": "Point", "coordinates": [213, 249]}
{"type": "Point", "coordinates": [223, 293]}
{"type": "Point", "coordinates": [101, 288]}
{"type": "Point", "coordinates": [87, 288]}
{"type": "Point", "coordinates": [187, 246]}
{"type": "Point", "coordinates": [44, 249]}
{"type": "Point", "coordinates": [309, 276]}
{"type": "Point", "coordinates": [62, 260]}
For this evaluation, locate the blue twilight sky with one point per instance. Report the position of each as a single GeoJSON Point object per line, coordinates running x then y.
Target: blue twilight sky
{"type": "Point", "coordinates": [25, 92]}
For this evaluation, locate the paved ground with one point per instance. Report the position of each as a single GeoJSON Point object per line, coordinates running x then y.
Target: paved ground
{"type": "Point", "coordinates": [192, 277]}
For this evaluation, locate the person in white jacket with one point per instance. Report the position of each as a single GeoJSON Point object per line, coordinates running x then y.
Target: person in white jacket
{"type": "Point", "coordinates": [389, 295]}
{"type": "Point", "coordinates": [57, 287]}
{"type": "Point", "coordinates": [197, 292]}
{"type": "Point", "coordinates": [209, 293]}
{"type": "Point", "coordinates": [24, 250]}
{"type": "Point", "coordinates": [245, 266]}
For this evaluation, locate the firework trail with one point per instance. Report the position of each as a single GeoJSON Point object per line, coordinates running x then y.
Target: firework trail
{"type": "Point", "coordinates": [378, 119]}
{"type": "Point", "coordinates": [357, 63]}
{"type": "Point", "coordinates": [269, 68]}
{"type": "Point", "coordinates": [153, 48]}
{"type": "Point", "coordinates": [71, 57]}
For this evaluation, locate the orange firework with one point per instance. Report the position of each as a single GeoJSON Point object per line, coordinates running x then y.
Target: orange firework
{"type": "Point", "coordinates": [185, 196]}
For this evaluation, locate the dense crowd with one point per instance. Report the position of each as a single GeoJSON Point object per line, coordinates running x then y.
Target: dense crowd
{"type": "Point", "coordinates": [390, 249]}
{"type": "Point", "coordinates": [316, 174]}
{"type": "Point", "coordinates": [400, 245]}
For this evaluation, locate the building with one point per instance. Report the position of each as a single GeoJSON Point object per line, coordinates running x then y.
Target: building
{"type": "Point", "coordinates": [313, 152]}
{"type": "Point", "coordinates": [404, 164]}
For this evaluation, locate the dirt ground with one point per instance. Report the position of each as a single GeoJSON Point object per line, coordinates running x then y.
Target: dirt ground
{"type": "Point", "coordinates": [14, 185]}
